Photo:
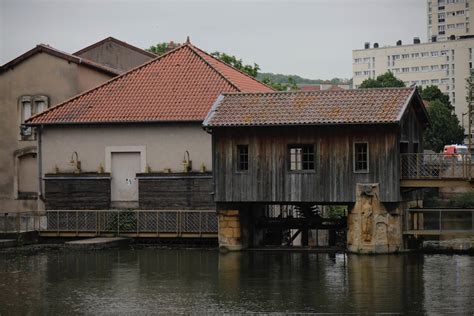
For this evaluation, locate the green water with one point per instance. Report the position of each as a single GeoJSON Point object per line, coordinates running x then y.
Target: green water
{"type": "Point", "coordinates": [203, 281]}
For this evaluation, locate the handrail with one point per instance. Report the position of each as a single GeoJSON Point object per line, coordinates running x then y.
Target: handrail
{"type": "Point", "coordinates": [435, 166]}
{"type": "Point", "coordinates": [439, 221]}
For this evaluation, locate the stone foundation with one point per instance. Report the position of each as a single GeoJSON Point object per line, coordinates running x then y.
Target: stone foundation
{"type": "Point", "coordinates": [371, 228]}
{"type": "Point", "coordinates": [229, 230]}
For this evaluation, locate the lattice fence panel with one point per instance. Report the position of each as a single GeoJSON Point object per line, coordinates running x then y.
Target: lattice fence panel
{"type": "Point", "coordinates": [190, 222]}
{"type": "Point", "coordinates": [148, 221]}
{"type": "Point", "coordinates": [168, 222]}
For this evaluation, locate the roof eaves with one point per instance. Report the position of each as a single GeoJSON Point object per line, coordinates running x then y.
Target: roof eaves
{"type": "Point", "coordinates": [40, 48]}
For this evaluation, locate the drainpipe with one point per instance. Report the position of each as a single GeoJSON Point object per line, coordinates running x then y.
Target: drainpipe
{"type": "Point", "coordinates": [40, 165]}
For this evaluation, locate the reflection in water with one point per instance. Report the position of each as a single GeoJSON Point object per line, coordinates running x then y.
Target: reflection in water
{"type": "Point", "coordinates": [198, 281]}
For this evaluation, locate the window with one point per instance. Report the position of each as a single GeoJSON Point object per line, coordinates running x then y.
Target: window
{"type": "Point", "coordinates": [242, 157]}
{"type": "Point", "coordinates": [425, 54]}
{"type": "Point", "coordinates": [425, 68]}
{"type": "Point", "coordinates": [361, 157]}
{"type": "Point", "coordinates": [445, 66]}
{"type": "Point", "coordinates": [405, 69]}
{"type": "Point", "coordinates": [434, 67]}
{"type": "Point", "coordinates": [302, 157]}
{"type": "Point", "coordinates": [444, 52]}
{"type": "Point", "coordinates": [405, 56]}
{"type": "Point", "coordinates": [415, 55]}
{"type": "Point", "coordinates": [434, 53]}
{"type": "Point", "coordinates": [414, 69]}
{"type": "Point", "coordinates": [425, 82]}
{"type": "Point", "coordinates": [434, 81]}
{"type": "Point", "coordinates": [29, 106]}
{"type": "Point", "coordinates": [395, 57]}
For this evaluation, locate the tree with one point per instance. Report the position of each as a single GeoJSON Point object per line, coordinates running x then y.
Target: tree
{"type": "Point", "coordinates": [444, 127]}
{"type": "Point", "coordinates": [432, 93]}
{"type": "Point", "coordinates": [383, 81]}
{"type": "Point", "coordinates": [291, 85]}
{"type": "Point", "coordinates": [158, 49]}
{"type": "Point", "coordinates": [237, 63]}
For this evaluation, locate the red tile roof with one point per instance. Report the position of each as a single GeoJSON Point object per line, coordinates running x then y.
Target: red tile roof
{"type": "Point", "coordinates": [42, 48]}
{"type": "Point", "coordinates": [361, 106]}
{"type": "Point", "coordinates": [178, 86]}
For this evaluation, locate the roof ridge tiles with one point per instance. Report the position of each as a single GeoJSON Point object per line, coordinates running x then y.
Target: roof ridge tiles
{"type": "Point", "coordinates": [228, 65]}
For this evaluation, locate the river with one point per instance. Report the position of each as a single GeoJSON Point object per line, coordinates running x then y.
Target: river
{"type": "Point", "coordinates": [144, 281]}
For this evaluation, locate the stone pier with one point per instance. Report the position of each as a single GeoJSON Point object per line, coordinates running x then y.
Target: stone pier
{"type": "Point", "coordinates": [372, 229]}
{"type": "Point", "coordinates": [229, 230]}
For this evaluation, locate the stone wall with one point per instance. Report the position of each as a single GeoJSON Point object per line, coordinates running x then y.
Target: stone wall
{"type": "Point", "coordinates": [372, 229]}
{"type": "Point", "coordinates": [229, 230]}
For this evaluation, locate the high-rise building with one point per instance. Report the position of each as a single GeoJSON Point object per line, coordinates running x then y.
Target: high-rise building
{"type": "Point", "coordinates": [444, 64]}
{"type": "Point", "coordinates": [449, 19]}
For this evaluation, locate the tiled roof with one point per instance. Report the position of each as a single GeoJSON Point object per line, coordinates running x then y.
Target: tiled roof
{"type": "Point", "coordinates": [178, 86]}
{"type": "Point", "coordinates": [42, 48]}
{"type": "Point", "coordinates": [361, 106]}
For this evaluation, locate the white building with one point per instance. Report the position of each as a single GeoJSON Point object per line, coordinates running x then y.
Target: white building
{"type": "Point", "coordinates": [449, 18]}
{"type": "Point", "coordinates": [444, 64]}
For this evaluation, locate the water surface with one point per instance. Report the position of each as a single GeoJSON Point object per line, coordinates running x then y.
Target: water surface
{"type": "Point", "coordinates": [203, 281]}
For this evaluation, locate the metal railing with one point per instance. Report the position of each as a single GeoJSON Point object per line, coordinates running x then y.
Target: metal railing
{"type": "Point", "coordinates": [444, 221]}
{"type": "Point", "coordinates": [435, 166]}
{"type": "Point", "coordinates": [144, 223]}
{"type": "Point", "coordinates": [19, 222]}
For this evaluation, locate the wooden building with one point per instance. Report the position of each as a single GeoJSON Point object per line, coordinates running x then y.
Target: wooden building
{"type": "Point", "coordinates": [308, 148]}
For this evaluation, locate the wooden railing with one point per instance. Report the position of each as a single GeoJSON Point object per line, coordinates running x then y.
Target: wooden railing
{"type": "Point", "coordinates": [435, 166]}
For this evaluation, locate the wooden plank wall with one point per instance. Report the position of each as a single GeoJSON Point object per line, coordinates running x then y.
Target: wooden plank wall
{"type": "Point", "coordinates": [77, 194]}
{"type": "Point", "coordinates": [176, 193]}
{"type": "Point", "coordinates": [269, 180]}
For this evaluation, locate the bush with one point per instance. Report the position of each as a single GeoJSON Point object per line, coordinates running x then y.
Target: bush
{"type": "Point", "coordinates": [465, 200]}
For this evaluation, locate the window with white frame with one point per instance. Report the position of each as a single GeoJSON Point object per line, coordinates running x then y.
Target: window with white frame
{"type": "Point", "coordinates": [434, 67]}
{"type": "Point", "coordinates": [434, 81]}
{"type": "Point", "coordinates": [434, 53]}
{"type": "Point", "coordinates": [301, 157]}
{"type": "Point", "coordinates": [415, 69]}
{"type": "Point", "coordinates": [415, 55]}
{"type": "Point", "coordinates": [361, 157]}
{"type": "Point", "coordinates": [425, 54]}
{"type": "Point", "coordinates": [405, 56]}
{"type": "Point", "coordinates": [425, 82]}
{"type": "Point", "coordinates": [425, 68]}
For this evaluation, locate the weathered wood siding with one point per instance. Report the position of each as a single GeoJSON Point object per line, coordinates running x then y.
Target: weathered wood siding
{"type": "Point", "coordinates": [333, 180]}
{"type": "Point", "coordinates": [77, 193]}
{"type": "Point", "coordinates": [175, 192]}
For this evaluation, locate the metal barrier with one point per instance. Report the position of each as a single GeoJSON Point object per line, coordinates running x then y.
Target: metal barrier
{"type": "Point", "coordinates": [134, 223]}
{"type": "Point", "coordinates": [18, 222]}
{"type": "Point", "coordinates": [453, 221]}
{"type": "Point", "coordinates": [435, 166]}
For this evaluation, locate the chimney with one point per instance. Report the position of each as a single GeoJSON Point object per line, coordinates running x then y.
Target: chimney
{"type": "Point", "coordinates": [416, 40]}
{"type": "Point", "coordinates": [376, 45]}
{"type": "Point", "coordinates": [366, 45]}
{"type": "Point", "coordinates": [399, 43]}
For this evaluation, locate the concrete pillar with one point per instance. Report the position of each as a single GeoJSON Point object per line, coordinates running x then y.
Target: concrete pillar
{"type": "Point", "coordinates": [229, 233]}
{"type": "Point", "coordinates": [371, 229]}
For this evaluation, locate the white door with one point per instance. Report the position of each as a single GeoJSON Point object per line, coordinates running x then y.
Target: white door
{"type": "Point", "coordinates": [125, 166]}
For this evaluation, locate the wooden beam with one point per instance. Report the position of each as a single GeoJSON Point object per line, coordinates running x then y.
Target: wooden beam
{"type": "Point", "coordinates": [435, 183]}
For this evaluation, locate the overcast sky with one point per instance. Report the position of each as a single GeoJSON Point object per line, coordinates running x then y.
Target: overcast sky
{"type": "Point", "coordinates": [313, 39]}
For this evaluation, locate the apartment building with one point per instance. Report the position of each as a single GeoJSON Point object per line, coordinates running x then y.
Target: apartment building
{"type": "Point", "coordinates": [444, 64]}
{"type": "Point", "coordinates": [449, 19]}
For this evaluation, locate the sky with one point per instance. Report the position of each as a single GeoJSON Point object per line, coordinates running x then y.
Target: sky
{"type": "Point", "coordinates": [313, 39]}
